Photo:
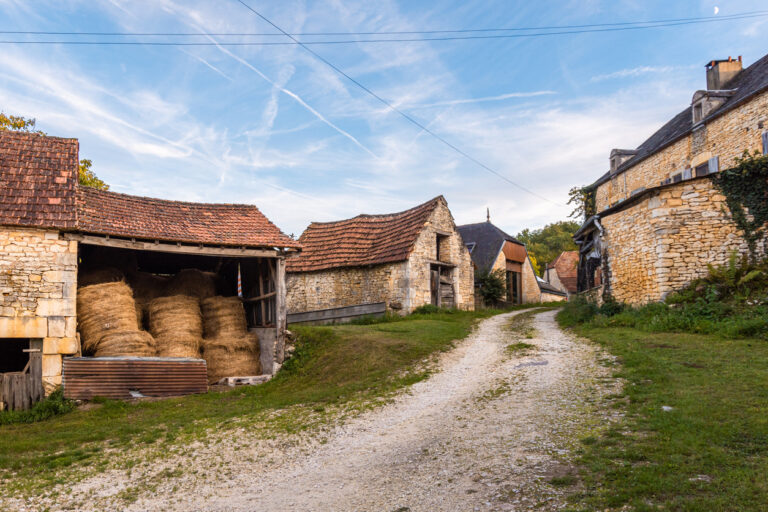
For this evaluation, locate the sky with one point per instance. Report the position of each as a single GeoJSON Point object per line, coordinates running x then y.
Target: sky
{"type": "Point", "coordinates": [275, 127]}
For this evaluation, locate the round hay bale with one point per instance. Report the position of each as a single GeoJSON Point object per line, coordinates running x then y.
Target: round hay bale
{"type": "Point", "coordinates": [147, 286]}
{"type": "Point", "coordinates": [179, 346]}
{"type": "Point", "coordinates": [102, 309]}
{"type": "Point", "coordinates": [126, 343]}
{"type": "Point", "coordinates": [223, 316]}
{"type": "Point", "coordinates": [99, 275]}
{"type": "Point", "coordinates": [175, 316]}
{"type": "Point", "coordinates": [232, 356]}
{"type": "Point", "coordinates": [193, 282]}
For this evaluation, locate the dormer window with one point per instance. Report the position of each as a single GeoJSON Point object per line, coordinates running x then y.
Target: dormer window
{"type": "Point", "coordinates": [619, 156]}
{"type": "Point", "coordinates": [706, 102]}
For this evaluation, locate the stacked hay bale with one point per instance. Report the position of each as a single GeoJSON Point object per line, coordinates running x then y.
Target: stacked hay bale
{"type": "Point", "coordinates": [177, 325]}
{"type": "Point", "coordinates": [99, 275]}
{"type": "Point", "coordinates": [192, 282]}
{"type": "Point", "coordinates": [106, 317]}
{"type": "Point", "coordinates": [146, 287]}
{"type": "Point", "coordinates": [228, 348]}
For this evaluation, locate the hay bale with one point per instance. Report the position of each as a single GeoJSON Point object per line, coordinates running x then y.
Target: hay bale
{"type": "Point", "coordinates": [147, 286]}
{"type": "Point", "coordinates": [99, 275]}
{"type": "Point", "coordinates": [232, 356]}
{"type": "Point", "coordinates": [223, 317]}
{"type": "Point", "coordinates": [177, 325]}
{"type": "Point", "coordinates": [192, 282]}
{"type": "Point", "coordinates": [102, 309]}
{"type": "Point", "coordinates": [126, 343]}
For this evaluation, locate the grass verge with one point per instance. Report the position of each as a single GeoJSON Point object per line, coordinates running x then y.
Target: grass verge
{"type": "Point", "coordinates": [695, 433]}
{"type": "Point", "coordinates": [332, 366]}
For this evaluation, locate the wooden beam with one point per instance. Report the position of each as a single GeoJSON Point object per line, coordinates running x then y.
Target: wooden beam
{"type": "Point", "coordinates": [176, 248]}
{"type": "Point", "coordinates": [260, 297]}
{"type": "Point", "coordinates": [280, 310]}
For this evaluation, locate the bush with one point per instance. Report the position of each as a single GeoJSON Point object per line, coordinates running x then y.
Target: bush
{"type": "Point", "coordinates": [492, 285]}
{"type": "Point", "coordinates": [428, 309]}
{"type": "Point", "coordinates": [577, 311]}
{"type": "Point", "coordinates": [53, 405]}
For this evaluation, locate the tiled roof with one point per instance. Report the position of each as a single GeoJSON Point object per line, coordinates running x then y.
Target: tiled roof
{"type": "Point", "coordinates": [109, 213]}
{"type": "Point", "coordinates": [548, 288]}
{"type": "Point", "coordinates": [565, 266]}
{"type": "Point", "coordinates": [362, 240]}
{"type": "Point", "coordinates": [751, 80]}
{"type": "Point", "coordinates": [38, 176]}
{"type": "Point", "coordinates": [488, 240]}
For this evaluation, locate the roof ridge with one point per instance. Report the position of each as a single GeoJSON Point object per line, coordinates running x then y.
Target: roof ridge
{"type": "Point", "coordinates": [174, 201]}
{"type": "Point", "coordinates": [35, 134]}
{"type": "Point", "coordinates": [378, 215]}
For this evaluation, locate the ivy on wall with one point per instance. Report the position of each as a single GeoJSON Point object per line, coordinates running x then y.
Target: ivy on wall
{"type": "Point", "coordinates": [745, 188]}
{"type": "Point", "coordinates": [584, 200]}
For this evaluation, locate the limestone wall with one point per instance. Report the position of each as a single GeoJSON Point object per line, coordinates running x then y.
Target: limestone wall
{"type": "Point", "coordinates": [726, 137]}
{"type": "Point", "coordinates": [531, 290]}
{"type": "Point", "coordinates": [38, 281]}
{"type": "Point", "coordinates": [551, 297]}
{"type": "Point", "coordinates": [665, 241]}
{"type": "Point", "coordinates": [334, 288]}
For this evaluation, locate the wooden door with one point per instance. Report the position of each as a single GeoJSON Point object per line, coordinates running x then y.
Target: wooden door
{"type": "Point", "coordinates": [434, 286]}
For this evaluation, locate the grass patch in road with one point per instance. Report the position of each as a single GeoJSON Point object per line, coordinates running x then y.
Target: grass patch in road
{"type": "Point", "coordinates": [695, 433]}
{"type": "Point", "coordinates": [518, 348]}
{"type": "Point", "coordinates": [345, 365]}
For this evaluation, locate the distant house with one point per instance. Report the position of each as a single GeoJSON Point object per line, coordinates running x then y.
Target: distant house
{"type": "Point", "coordinates": [550, 293]}
{"type": "Point", "coordinates": [659, 221]}
{"type": "Point", "coordinates": [493, 249]}
{"type": "Point", "coordinates": [563, 272]}
{"type": "Point", "coordinates": [401, 260]}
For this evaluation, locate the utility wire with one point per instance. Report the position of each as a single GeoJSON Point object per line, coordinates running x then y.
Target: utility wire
{"type": "Point", "coordinates": [393, 32]}
{"type": "Point", "coordinates": [395, 109]}
{"type": "Point", "coordinates": [295, 41]}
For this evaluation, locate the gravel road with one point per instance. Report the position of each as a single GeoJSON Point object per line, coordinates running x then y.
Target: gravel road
{"type": "Point", "coordinates": [489, 431]}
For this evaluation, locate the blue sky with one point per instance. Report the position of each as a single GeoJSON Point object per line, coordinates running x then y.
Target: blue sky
{"type": "Point", "coordinates": [274, 127]}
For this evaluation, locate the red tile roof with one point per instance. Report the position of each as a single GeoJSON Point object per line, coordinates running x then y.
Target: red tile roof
{"type": "Point", "coordinates": [109, 213]}
{"type": "Point", "coordinates": [38, 187]}
{"type": "Point", "coordinates": [566, 267]}
{"type": "Point", "coordinates": [362, 240]}
{"type": "Point", "coordinates": [38, 176]}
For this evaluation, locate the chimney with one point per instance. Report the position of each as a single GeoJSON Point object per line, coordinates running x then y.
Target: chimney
{"type": "Point", "coordinates": [720, 72]}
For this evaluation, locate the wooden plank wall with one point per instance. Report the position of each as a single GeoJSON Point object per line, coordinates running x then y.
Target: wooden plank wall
{"type": "Point", "coordinates": [338, 314]}
{"type": "Point", "coordinates": [22, 390]}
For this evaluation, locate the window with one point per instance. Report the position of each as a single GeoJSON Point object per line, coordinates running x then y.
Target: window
{"type": "Point", "coordinates": [442, 250]}
{"type": "Point", "coordinates": [471, 247]}
{"type": "Point", "coordinates": [698, 110]}
{"type": "Point", "coordinates": [765, 143]}
{"type": "Point", "coordinates": [702, 170]}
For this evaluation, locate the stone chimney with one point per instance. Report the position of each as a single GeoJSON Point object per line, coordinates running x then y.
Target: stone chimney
{"type": "Point", "coordinates": [619, 156]}
{"type": "Point", "coordinates": [720, 72]}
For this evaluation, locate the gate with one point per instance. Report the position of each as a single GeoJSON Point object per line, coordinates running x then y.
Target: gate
{"type": "Point", "coordinates": [21, 390]}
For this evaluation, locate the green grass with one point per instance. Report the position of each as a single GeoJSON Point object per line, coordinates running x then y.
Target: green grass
{"type": "Point", "coordinates": [339, 366]}
{"type": "Point", "coordinates": [708, 453]}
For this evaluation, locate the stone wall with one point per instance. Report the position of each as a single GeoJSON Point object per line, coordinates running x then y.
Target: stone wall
{"type": "Point", "coordinates": [531, 291]}
{"type": "Point", "coordinates": [667, 240]}
{"type": "Point", "coordinates": [551, 297]}
{"type": "Point", "coordinates": [726, 137]}
{"type": "Point", "coordinates": [38, 281]}
{"type": "Point", "coordinates": [553, 278]}
{"type": "Point", "coordinates": [334, 288]}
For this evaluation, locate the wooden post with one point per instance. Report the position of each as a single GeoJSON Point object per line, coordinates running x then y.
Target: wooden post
{"type": "Point", "coordinates": [280, 310]}
{"type": "Point", "coordinates": [262, 305]}
{"type": "Point", "coordinates": [36, 370]}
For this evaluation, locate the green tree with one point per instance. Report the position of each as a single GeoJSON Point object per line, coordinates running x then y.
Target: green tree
{"type": "Point", "coordinates": [86, 176]}
{"type": "Point", "coordinates": [493, 285]}
{"type": "Point", "coordinates": [546, 244]}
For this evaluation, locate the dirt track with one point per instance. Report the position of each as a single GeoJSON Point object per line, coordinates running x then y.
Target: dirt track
{"type": "Point", "coordinates": [488, 432]}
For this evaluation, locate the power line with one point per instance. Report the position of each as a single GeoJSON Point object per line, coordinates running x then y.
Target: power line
{"type": "Point", "coordinates": [395, 109]}
{"type": "Point", "coordinates": [295, 41]}
{"type": "Point", "coordinates": [393, 32]}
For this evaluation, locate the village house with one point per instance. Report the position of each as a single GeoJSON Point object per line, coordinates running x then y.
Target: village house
{"type": "Point", "coordinates": [494, 250]}
{"type": "Point", "coordinates": [562, 273]}
{"type": "Point", "coordinates": [658, 219]}
{"type": "Point", "coordinates": [370, 264]}
{"type": "Point", "coordinates": [53, 230]}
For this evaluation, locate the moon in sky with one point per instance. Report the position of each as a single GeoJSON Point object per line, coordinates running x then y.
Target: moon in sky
{"type": "Point", "coordinates": [717, 10]}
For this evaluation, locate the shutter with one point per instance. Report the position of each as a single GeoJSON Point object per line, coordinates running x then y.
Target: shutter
{"type": "Point", "coordinates": [765, 143]}
{"type": "Point", "coordinates": [714, 164]}
{"type": "Point", "coordinates": [687, 173]}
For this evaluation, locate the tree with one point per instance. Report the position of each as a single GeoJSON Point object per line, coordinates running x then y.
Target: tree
{"type": "Point", "coordinates": [546, 244]}
{"type": "Point", "coordinates": [492, 285]}
{"type": "Point", "coordinates": [583, 199]}
{"type": "Point", "coordinates": [86, 177]}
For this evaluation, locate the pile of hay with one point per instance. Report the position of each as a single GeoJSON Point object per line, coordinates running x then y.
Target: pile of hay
{"type": "Point", "coordinates": [194, 283]}
{"type": "Point", "coordinates": [228, 348]}
{"type": "Point", "coordinates": [177, 325]}
{"type": "Point", "coordinates": [108, 324]}
{"type": "Point", "coordinates": [99, 275]}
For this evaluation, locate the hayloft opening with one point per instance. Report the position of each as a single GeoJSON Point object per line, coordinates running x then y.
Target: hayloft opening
{"type": "Point", "coordinates": [12, 355]}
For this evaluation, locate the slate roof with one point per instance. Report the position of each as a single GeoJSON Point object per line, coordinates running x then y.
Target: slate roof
{"type": "Point", "coordinates": [548, 288]}
{"type": "Point", "coordinates": [38, 187]}
{"type": "Point", "coordinates": [566, 267]}
{"type": "Point", "coordinates": [488, 240]}
{"type": "Point", "coordinates": [752, 80]}
{"type": "Point", "coordinates": [109, 213]}
{"type": "Point", "coordinates": [38, 176]}
{"type": "Point", "coordinates": [363, 240]}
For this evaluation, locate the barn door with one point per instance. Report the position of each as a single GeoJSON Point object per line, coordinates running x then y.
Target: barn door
{"type": "Point", "coordinates": [21, 375]}
{"type": "Point", "coordinates": [434, 285]}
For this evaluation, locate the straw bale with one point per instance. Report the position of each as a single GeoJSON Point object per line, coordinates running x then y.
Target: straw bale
{"type": "Point", "coordinates": [103, 308]}
{"type": "Point", "coordinates": [178, 315]}
{"type": "Point", "coordinates": [99, 275]}
{"type": "Point", "coordinates": [232, 356]}
{"type": "Point", "coordinates": [147, 286]}
{"type": "Point", "coordinates": [223, 316]}
{"type": "Point", "coordinates": [179, 346]}
{"type": "Point", "coordinates": [193, 282]}
{"type": "Point", "coordinates": [126, 343]}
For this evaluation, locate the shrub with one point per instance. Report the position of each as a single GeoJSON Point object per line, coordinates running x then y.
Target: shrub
{"type": "Point", "coordinates": [492, 285]}
{"type": "Point", "coordinates": [53, 405]}
{"type": "Point", "coordinates": [427, 309]}
{"type": "Point", "coordinates": [577, 311]}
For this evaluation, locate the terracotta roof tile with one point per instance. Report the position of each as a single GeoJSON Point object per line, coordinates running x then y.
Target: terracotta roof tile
{"type": "Point", "coordinates": [109, 213]}
{"type": "Point", "coordinates": [362, 240]}
{"type": "Point", "coordinates": [566, 267]}
{"type": "Point", "coordinates": [38, 176]}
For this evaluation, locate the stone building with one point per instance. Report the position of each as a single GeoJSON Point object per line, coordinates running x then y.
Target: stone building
{"type": "Point", "coordinates": [51, 229]}
{"type": "Point", "coordinates": [659, 220]}
{"type": "Point", "coordinates": [562, 273]}
{"type": "Point", "coordinates": [492, 249]}
{"type": "Point", "coordinates": [403, 260]}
